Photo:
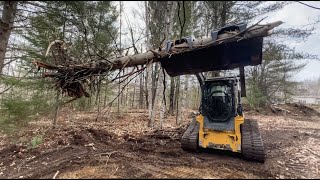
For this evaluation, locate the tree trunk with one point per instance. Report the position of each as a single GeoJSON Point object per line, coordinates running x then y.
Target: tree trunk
{"type": "Point", "coordinates": [177, 101]}
{"type": "Point", "coordinates": [124, 90]}
{"type": "Point", "coordinates": [119, 97]}
{"type": "Point", "coordinates": [215, 19]}
{"type": "Point", "coordinates": [126, 95]}
{"type": "Point", "coordinates": [146, 87]}
{"type": "Point", "coordinates": [105, 95]}
{"type": "Point", "coordinates": [171, 97]}
{"type": "Point", "coordinates": [141, 91]}
{"type": "Point", "coordinates": [145, 58]}
{"type": "Point", "coordinates": [149, 70]}
{"type": "Point", "coordinates": [172, 13]}
{"type": "Point", "coordinates": [6, 24]}
{"type": "Point", "coordinates": [118, 110]}
{"type": "Point", "coordinates": [155, 78]}
{"type": "Point", "coordinates": [151, 123]}
{"type": "Point", "coordinates": [223, 19]}
{"type": "Point", "coordinates": [161, 98]}
{"type": "Point", "coordinates": [192, 18]}
{"type": "Point", "coordinates": [172, 85]}
{"type": "Point", "coordinates": [198, 98]}
{"type": "Point", "coordinates": [98, 96]}
{"type": "Point", "coordinates": [56, 109]}
{"type": "Point", "coordinates": [169, 27]}
{"type": "Point", "coordinates": [186, 88]}
{"type": "Point", "coordinates": [181, 111]}
{"type": "Point", "coordinates": [155, 81]}
{"type": "Point", "coordinates": [88, 70]}
{"type": "Point", "coordinates": [223, 14]}
{"type": "Point", "coordinates": [134, 94]}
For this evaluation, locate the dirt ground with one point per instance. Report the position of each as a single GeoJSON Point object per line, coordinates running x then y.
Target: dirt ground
{"type": "Point", "coordinates": [123, 147]}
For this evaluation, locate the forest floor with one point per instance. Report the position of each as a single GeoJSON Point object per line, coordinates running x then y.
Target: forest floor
{"type": "Point", "coordinates": [123, 147]}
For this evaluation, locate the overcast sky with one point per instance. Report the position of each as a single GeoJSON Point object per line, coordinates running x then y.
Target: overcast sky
{"type": "Point", "coordinates": [294, 15]}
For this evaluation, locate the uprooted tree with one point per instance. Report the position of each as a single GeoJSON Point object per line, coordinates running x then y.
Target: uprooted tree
{"type": "Point", "coordinates": [73, 77]}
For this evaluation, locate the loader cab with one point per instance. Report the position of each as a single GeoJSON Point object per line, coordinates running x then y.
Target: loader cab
{"type": "Point", "coordinates": [220, 102]}
{"type": "Point", "coordinates": [218, 99]}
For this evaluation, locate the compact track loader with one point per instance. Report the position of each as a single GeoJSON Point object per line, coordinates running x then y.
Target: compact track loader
{"type": "Point", "coordinates": [221, 123]}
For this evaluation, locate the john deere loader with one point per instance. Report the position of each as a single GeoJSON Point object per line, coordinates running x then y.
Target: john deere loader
{"type": "Point", "coordinates": [221, 123]}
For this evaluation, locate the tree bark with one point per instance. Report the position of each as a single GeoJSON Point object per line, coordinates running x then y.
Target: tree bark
{"type": "Point", "coordinates": [6, 24]}
{"type": "Point", "coordinates": [172, 85]}
{"type": "Point", "coordinates": [171, 97]}
{"type": "Point", "coordinates": [151, 115]}
{"type": "Point", "coordinates": [134, 94]}
{"type": "Point", "coordinates": [105, 95]}
{"type": "Point", "coordinates": [223, 19]}
{"type": "Point", "coordinates": [56, 110]}
{"type": "Point", "coordinates": [181, 111]}
{"type": "Point", "coordinates": [177, 99]}
{"type": "Point", "coordinates": [118, 105]}
{"type": "Point", "coordinates": [155, 78]}
{"type": "Point", "coordinates": [169, 27]}
{"type": "Point", "coordinates": [126, 96]}
{"type": "Point", "coordinates": [149, 69]}
{"type": "Point", "coordinates": [146, 88]}
{"type": "Point", "coordinates": [223, 14]}
{"type": "Point", "coordinates": [162, 106]}
{"type": "Point", "coordinates": [141, 91]}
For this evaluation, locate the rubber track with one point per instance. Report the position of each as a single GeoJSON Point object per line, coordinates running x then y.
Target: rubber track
{"type": "Point", "coordinates": [189, 140]}
{"type": "Point", "coordinates": [252, 145]}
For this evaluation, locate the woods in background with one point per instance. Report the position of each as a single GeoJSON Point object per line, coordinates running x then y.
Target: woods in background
{"type": "Point", "coordinates": [95, 30]}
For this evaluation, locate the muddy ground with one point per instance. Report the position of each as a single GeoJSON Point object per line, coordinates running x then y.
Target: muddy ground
{"type": "Point", "coordinates": [123, 147]}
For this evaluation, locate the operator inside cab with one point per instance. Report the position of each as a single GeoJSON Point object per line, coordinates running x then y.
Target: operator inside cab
{"type": "Point", "coordinates": [218, 101]}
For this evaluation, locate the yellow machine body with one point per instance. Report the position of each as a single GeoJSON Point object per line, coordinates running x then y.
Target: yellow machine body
{"type": "Point", "coordinates": [225, 140]}
{"type": "Point", "coordinates": [221, 123]}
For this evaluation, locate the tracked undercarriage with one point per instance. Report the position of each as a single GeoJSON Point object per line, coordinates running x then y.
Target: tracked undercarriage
{"type": "Point", "coordinates": [251, 147]}
{"type": "Point", "coordinates": [190, 138]}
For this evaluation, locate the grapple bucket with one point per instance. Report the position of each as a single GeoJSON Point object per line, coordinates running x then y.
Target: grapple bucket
{"type": "Point", "coordinates": [219, 57]}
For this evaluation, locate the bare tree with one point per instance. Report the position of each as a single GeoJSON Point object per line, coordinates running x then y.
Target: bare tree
{"type": "Point", "coordinates": [6, 24]}
{"type": "Point", "coordinates": [172, 84]}
{"type": "Point", "coordinates": [170, 9]}
{"type": "Point", "coordinates": [119, 98]}
{"type": "Point", "coordinates": [149, 68]}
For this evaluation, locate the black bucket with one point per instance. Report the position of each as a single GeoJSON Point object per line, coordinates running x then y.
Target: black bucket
{"type": "Point", "coordinates": [219, 57]}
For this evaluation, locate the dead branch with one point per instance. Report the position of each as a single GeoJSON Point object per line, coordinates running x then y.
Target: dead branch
{"type": "Point", "coordinates": [55, 175]}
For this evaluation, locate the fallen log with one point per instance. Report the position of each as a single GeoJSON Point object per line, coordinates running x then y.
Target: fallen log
{"type": "Point", "coordinates": [276, 108]}
{"type": "Point", "coordinates": [230, 49]}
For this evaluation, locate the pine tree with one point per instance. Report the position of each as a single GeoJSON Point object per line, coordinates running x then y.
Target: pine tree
{"type": "Point", "coordinates": [88, 28]}
{"type": "Point", "coordinates": [271, 81]}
